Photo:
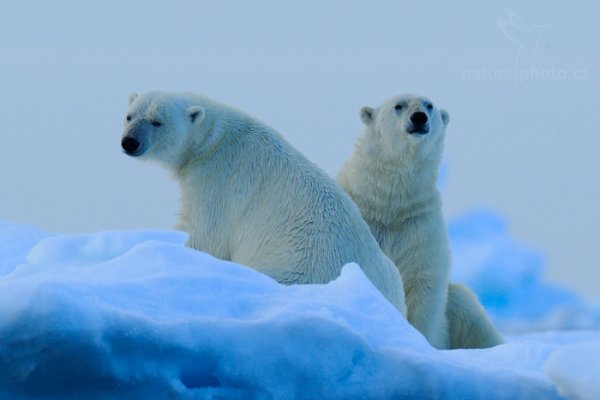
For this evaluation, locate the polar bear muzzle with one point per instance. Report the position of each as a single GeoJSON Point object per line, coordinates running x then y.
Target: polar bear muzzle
{"type": "Point", "coordinates": [419, 123]}
{"type": "Point", "coordinates": [130, 145]}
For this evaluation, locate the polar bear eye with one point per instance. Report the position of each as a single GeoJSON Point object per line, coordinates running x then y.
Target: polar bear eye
{"type": "Point", "coordinates": [398, 107]}
{"type": "Point", "coordinates": [156, 123]}
{"type": "Point", "coordinates": [430, 106]}
{"type": "Point", "coordinates": [128, 118]}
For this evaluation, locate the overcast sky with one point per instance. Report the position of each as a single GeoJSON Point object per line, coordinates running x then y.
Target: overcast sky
{"type": "Point", "coordinates": [520, 81]}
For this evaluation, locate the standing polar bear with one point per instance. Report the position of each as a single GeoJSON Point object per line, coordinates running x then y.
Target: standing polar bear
{"type": "Point", "coordinates": [250, 197]}
{"type": "Point", "coordinates": [392, 177]}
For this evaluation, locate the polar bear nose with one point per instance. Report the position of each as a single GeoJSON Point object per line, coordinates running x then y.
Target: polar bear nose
{"type": "Point", "coordinates": [130, 145]}
{"type": "Point", "coordinates": [419, 118]}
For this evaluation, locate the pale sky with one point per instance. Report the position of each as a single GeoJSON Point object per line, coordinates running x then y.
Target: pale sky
{"type": "Point", "coordinates": [520, 81]}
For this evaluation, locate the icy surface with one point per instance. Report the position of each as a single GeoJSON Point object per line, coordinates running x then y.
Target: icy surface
{"type": "Point", "coordinates": [576, 370]}
{"type": "Point", "coordinates": [509, 279]}
{"type": "Point", "coordinates": [135, 314]}
{"type": "Point", "coordinates": [15, 242]}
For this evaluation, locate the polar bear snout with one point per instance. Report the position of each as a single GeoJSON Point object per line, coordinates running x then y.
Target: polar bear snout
{"type": "Point", "coordinates": [419, 123]}
{"type": "Point", "coordinates": [135, 139]}
{"type": "Point", "coordinates": [130, 145]}
{"type": "Point", "coordinates": [419, 118]}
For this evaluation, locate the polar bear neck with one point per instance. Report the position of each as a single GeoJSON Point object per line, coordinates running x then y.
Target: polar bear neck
{"type": "Point", "coordinates": [221, 191]}
{"type": "Point", "coordinates": [221, 135]}
{"type": "Point", "coordinates": [388, 193]}
{"type": "Point", "coordinates": [205, 141]}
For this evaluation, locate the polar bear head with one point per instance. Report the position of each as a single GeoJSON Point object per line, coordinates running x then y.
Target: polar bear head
{"type": "Point", "coordinates": [160, 126]}
{"type": "Point", "coordinates": [406, 129]}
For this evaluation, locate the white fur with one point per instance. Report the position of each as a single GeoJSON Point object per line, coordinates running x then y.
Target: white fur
{"type": "Point", "coordinates": [249, 197]}
{"type": "Point", "coordinates": [469, 326]}
{"type": "Point", "coordinates": [392, 177]}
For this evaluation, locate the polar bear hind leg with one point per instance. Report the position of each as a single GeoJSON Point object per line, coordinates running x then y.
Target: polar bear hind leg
{"type": "Point", "coordinates": [469, 326]}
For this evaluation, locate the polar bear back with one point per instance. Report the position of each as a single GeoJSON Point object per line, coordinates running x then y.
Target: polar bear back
{"type": "Point", "coordinates": [276, 209]}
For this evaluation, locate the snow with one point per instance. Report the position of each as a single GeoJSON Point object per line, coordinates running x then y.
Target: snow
{"type": "Point", "coordinates": [575, 370]}
{"type": "Point", "coordinates": [509, 278]}
{"type": "Point", "coordinates": [135, 314]}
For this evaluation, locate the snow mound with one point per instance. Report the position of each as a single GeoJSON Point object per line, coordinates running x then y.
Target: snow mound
{"type": "Point", "coordinates": [508, 279]}
{"type": "Point", "coordinates": [96, 247]}
{"type": "Point", "coordinates": [576, 371]}
{"type": "Point", "coordinates": [15, 242]}
{"type": "Point", "coordinates": [138, 315]}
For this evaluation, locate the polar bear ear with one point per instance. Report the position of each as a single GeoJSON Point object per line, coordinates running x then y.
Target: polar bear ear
{"type": "Point", "coordinates": [366, 114]}
{"type": "Point", "coordinates": [196, 114]}
{"type": "Point", "coordinates": [132, 97]}
{"type": "Point", "coordinates": [445, 116]}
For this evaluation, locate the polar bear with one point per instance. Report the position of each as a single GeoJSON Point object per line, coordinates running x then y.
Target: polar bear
{"type": "Point", "coordinates": [392, 177]}
{"type": "Point", "coordinates": [469, 325]}
{"type": "Point", "coordinates": [249, 197]}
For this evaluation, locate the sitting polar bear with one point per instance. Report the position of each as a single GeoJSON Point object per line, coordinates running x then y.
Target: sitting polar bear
{"type": "Point", "coordinates": [248, 196]}
{"type": "Point", "coordinates": [392, 177]}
